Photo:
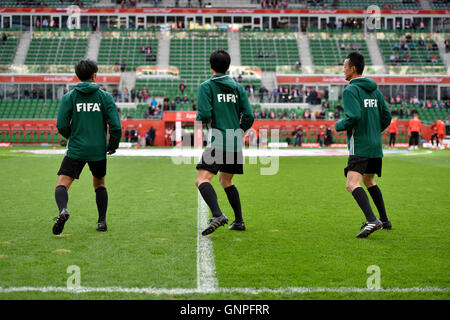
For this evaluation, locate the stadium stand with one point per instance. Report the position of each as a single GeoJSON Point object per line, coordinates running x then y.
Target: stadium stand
{"type": "Point", "coordinates": [7, 50]}
{"type": "Point", "coordinates": [268, 51]}
{"type": "Point", "coordinates": [48, 3]}
{"type": "Point", "coordinates": [328, 52]}
{"type": "Point", "coordinates": [360, 4]}
{"type": "Point", "coordinates": [56, 51]}
{"type": "Point", "coordinates": [128, 51]}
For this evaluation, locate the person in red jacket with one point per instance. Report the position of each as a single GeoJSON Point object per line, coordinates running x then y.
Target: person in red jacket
{"type": "Point", "coordinates": [393, 130]}
{"type": "Point", "coordinates": [434, 135]}
{"type": "Point", "coordinates": [441, 132]}
{"type": "Point", "coordinates": [414, 127]}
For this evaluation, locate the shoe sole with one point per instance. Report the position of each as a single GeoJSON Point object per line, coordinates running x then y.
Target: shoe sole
{"type": "Point", "coordinates": [63, 222]}
{"type": "Point", "coordinates": [366, 236]}
{"type": "Point", "coordinates": [236, 229]}
{"type": "Point", "coordinates": [210, 229]}
{"type": "Point", "coordinates": [102, 229]}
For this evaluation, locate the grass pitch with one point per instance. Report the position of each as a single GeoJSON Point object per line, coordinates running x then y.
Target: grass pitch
{"type": "Point", "coordinates": [301, 227]}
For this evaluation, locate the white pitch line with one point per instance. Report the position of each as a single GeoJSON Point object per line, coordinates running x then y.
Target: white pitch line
{"type": "Point", "coordinates": [250, 291]}
{"type": "Point", "coordinates": [206, 268]}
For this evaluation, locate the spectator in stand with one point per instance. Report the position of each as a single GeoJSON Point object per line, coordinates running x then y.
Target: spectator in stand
{"type": "Point", "coordinates": [263, 114]}
{"type": "Point", "coordinates": [140, 95]}
{"type": "Point", "coordinates": [275, 94]}
{"type": "Point", "coordinates": [194, 105]}
{"type": "Point", "coordinates": [394, 112]}
{"type": "Point", "coordinates": [414, 128]}
{"type": "Point", "coordinates": [173, 105]}
{"type": "Point", "coordinates": [185, 100]}
{"type": "Point", "coordinates": [178, 99]}
{"type": "Point", "coordinates": [166, 106]}
{"type": "Point", "coordinates": [307, 115]}
{"type": "Point", "coordinates": [292, 116]}
{"type": "Point", "coordinates": [271, 115]}
{"type": "Point", "coordinates": [145, 95]}
{"type": "Point", "coordinates": [182, 87]}
{"type": "Point", "coordinates": [4, 38]}
{"type": "Point", "coordinates": [133, 94]}
{"type": "Point", "coordinates": [401, 112]}
{"type": "Point", "coordinates": [256, 114]}
{"type": "Point", "coordinates": [154, 103]}
{"type": "Point", "coordinates": [393, 130]}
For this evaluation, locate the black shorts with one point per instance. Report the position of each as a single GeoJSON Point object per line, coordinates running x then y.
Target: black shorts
{"type": "Point", "coordinates": [364, 165]}
{"type": "Point", "coordinates": [218, 160]}
{"type": "Point", "coordinates": [73, 167]}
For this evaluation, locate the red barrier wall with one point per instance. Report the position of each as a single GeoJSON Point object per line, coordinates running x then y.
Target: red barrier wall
{"type": "Point", "coordinates": [143, 126]}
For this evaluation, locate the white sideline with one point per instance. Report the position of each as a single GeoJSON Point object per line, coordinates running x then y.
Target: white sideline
{"type": "Point", "coordinates": [251, 291]}
{"type": "Point", "coordinates": [206, 268]}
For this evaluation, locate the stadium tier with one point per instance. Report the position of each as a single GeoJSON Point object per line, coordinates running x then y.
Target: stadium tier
{"type": "Point", "coordinates": [133, 52]}
{"type": "Point", "coordinates": [56, 51]}
{"type": "Point", "coordinates": [8, 50]}
{"type": "Point", "coordinates": [330, 52]}
{"type": "Point", "coordinates": [48, 3]}
{"type": "Point", "coordinates": [360, 4]}
{"type": "Point", "coordinates": [191, 56]}
{"type": "Point", "coordinates": [269, 53]}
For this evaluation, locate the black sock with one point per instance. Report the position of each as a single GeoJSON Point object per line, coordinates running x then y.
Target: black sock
{"type": "Point", "coordinates": [363, 201]}
{"type": "Point", "coordinates": [101, 196]}
{"type": "Point", "coordinates": [377, 198]}
{"type": "Point", "coordinates": [235, 202]}
{"type": "Point", "coordinates": [210, 197]}
{"type": "Point", "coordinates": [61, 197]}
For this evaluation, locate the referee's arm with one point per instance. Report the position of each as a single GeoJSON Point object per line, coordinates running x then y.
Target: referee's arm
{"type": "Point", "coordinates": [64, 117]}
{"type": "Point", "coordinates": [204, 105]}
{"type": "Point", "coordinates": [351, 110]}
{"type": "Point", "coordinates": [245, 109]}
{"type": "Point", "coordinates": [386, 116]}
{"type": "Point", "coordinates": [115, 128]}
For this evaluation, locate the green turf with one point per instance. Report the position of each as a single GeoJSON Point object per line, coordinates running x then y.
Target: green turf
{"type": "Point", "coordinates": [301, 227]}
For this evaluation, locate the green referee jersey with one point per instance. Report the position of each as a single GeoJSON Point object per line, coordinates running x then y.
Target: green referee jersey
{"type": "Point", "coordinates": [83, 116]}
{"type": "Point", "coordinates": [366, 116]}
{"type": "Point", "coordinates": [223, 104]}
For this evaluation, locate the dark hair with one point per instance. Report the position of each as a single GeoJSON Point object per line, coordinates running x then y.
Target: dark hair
{"type": "Point", "coordinates": [220, 61]}
{"type": "Point", "coordinates": [85, 69]}
{"type": "Point", "coordinates": [356, 59]}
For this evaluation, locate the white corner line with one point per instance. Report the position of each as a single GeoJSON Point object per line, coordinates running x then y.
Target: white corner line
{"type": "Point", "coordinates": [206, 267]}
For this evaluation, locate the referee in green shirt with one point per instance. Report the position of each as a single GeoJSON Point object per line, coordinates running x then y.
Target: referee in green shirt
{"type": "Point", "coordinates": [366, 117]}
{"type": "Point", "coordinates": [223, 105]}
{"type": "Point", "coordinates": [83, 117]}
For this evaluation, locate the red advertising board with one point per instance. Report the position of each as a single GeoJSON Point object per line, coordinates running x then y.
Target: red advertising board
{"type": "Point", "coordinates": [54, 78]}
{"type": "Point", "coordinates": [222, 11]}
{"type": "Point", "coordinates": [378, 79]}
